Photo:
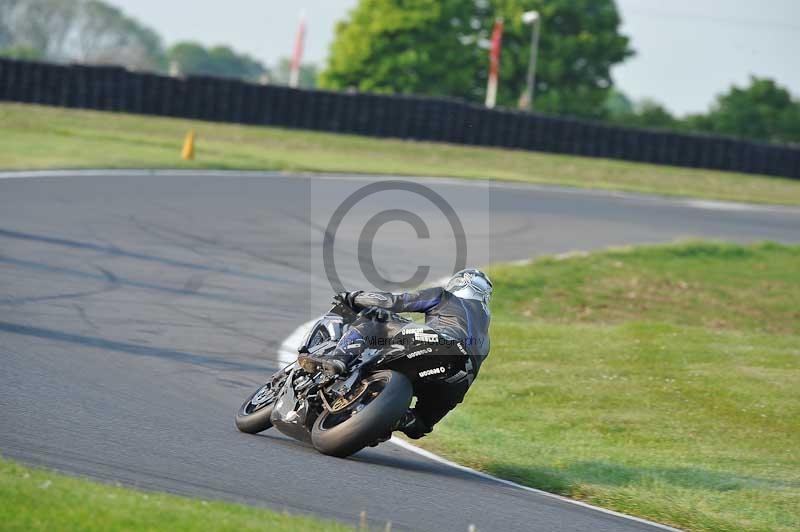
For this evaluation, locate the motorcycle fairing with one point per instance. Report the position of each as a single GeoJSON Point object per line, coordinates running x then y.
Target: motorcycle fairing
{"type": "Point", "coordinates": [290, 413]}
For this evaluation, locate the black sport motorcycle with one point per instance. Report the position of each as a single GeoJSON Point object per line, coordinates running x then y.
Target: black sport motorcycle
{"type": "Point", "coordinates": [340, 415]}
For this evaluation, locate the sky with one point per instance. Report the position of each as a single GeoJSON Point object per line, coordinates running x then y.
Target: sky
{"type": "Point", "coordinates": [687, 51]}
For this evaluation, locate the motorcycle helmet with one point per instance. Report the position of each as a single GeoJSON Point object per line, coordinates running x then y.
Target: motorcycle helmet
{"type": "Point", "coordinates": [470, 284]}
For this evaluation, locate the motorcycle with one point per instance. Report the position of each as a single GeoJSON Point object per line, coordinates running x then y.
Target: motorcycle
{"type": "Point", "coordinates": [341, 414]}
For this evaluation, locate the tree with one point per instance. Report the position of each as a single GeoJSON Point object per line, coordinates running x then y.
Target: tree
{"type": "Point", "coordinates": [580, 43]}
{"type": "Point", "coordinates": [649, 113]}
{"type": "Point", "coordinates": [763, 111]}
{"type": "Point", "coordinates": [24, 53]}
{"type": "Point", "coordinates": [221, 61]}
{"type": "Point", "coordinates": [440, 48]}
{"type": "Point", "coordinates": [7, 8]}
{"type": "Point", "coordinates": [617, 104]}
{"type": "Point", "coordinates": [105, 35]}
{"type": "Point", "coordinates": [308, 73]}
{"type": "Point", "coordinates": [41, 25]}
{"type": "Point", "coordinates": [644, 113]}
{"type": "Point", "coordinates": [78, 30]}
{"type": "Point", "coordinates": [416, 46]}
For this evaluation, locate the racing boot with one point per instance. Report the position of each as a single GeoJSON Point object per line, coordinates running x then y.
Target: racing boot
{"type": "Point", "coordinates": [406, 424]}
{"type": "Point", "coordinates": [337, 362]}
{"type": "Point", "coordinates": [412, 426]}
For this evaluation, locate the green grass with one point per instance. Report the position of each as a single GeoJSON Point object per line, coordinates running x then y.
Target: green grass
{"type": "Point", "coordinates": [33, 499]}
{"type": "Point", "coordinates": [663, 382]}
{"type": "Point", "coordinates": [44, 137]}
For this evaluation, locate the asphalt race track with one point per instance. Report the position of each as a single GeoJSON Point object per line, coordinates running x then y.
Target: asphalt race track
{"type": "Point", "coordinates": [137, 310]}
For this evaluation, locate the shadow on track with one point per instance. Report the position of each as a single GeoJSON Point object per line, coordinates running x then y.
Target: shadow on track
{"type": "Point", "coordinates": [107, 276]}
{"type": "Point", "coordinates": [129, 348]}
{"type": "Point", "coordinates": [386, 455]}
{"type": "Point", "coordinates": [119, 252]}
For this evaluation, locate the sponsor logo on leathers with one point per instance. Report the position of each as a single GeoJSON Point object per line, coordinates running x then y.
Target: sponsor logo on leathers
{"type": "Point", "coordinates": [430, 338]}
{"type": "Point", "coordinates": [420, 352]}
{"type": "Point", "coordinates": [432, 371]}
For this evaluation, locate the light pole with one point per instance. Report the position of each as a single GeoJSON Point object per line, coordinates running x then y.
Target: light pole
{"type": "Point", "coordinates": [526, 100]}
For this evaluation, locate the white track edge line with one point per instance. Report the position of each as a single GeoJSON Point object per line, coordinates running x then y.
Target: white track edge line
{"type": "Point", "coordinates": [436, 458]}
{"type": "Point", "coordinates": [288, 350]}
{"type": "Point", "coordinates": [685, 201]}
{"type": "Point", "coordinates": [288, 354]}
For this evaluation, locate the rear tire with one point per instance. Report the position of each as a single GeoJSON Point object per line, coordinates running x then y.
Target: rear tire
{"type": "Point", "coordinates": [368, 419]}
{"type": "Point", "coordinates": [253, 417]}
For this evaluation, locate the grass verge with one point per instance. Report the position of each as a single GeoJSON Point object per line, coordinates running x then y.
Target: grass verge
{"type": "Point", "coordinates": [34, 499]}
{"type": "Point", "coordinates": [663, 382]}
{"type": "Point", "coordinates": [44, 137]}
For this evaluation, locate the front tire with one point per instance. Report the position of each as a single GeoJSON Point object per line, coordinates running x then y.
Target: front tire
{"type": "Point", "coordinates": [253, 416]}
{"type": "Point", "coordinates": [381, 403]}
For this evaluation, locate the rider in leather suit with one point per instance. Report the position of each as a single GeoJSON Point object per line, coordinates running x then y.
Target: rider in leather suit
{"type": "Point", "coordinates": [458, 314]}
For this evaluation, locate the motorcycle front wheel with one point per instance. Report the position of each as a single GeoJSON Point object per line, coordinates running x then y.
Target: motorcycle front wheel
{"type": "Point", "coordinates": [378, 403]}
{"type": "Point", "coordinates": [253, 416]}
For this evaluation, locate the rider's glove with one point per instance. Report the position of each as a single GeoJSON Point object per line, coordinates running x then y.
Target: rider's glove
{"type": "Point", "coordinates": [376, 313]}
{"type": "Point", "coordinates": [348, 299]}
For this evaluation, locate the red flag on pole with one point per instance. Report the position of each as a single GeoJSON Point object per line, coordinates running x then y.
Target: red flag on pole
{"type": "Point", "coordinates": [297, 56]}
{"type": "Point", "coordinates": [494, 62]}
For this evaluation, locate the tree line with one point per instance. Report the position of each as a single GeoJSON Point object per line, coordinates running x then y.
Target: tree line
{"type": "Point", "coordinates": [439, 47]}
{"type": "Point", "coordinates": [426, 47]}
{"type": "Point", "coordinates": [94, 32]}
{"type": "Point", "coordinates": [761, 110]}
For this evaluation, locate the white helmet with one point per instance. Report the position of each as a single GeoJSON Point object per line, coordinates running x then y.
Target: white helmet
{"type": "Point", "coordinates": [470, 284]}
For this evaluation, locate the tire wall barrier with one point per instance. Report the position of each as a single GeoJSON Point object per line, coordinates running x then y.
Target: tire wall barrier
{"type": "Point", "coordinates": [110, 88]}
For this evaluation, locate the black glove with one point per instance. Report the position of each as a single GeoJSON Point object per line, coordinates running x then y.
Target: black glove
{"type": "Point", "coordinates": [376, 313]}
{"type": "Point", "coordinates": [348, 299]}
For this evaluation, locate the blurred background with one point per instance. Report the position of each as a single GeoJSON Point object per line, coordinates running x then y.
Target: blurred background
{"type": "Point", "coordinates": [704, 65]}
{"type": "Point", "coordinates": [169, 174]}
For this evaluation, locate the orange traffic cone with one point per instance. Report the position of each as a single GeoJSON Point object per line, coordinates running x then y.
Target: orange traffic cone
{"type": "Point", "coordinates": [188, 147]}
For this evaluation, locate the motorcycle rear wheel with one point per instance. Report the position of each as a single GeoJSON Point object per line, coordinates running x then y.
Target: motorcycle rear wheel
{"type": "Point", "coordinates": [382, 401]}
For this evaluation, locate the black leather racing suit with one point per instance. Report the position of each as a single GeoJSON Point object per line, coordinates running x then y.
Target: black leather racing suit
{"type": "Point", "coordinates": [463, 320]}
